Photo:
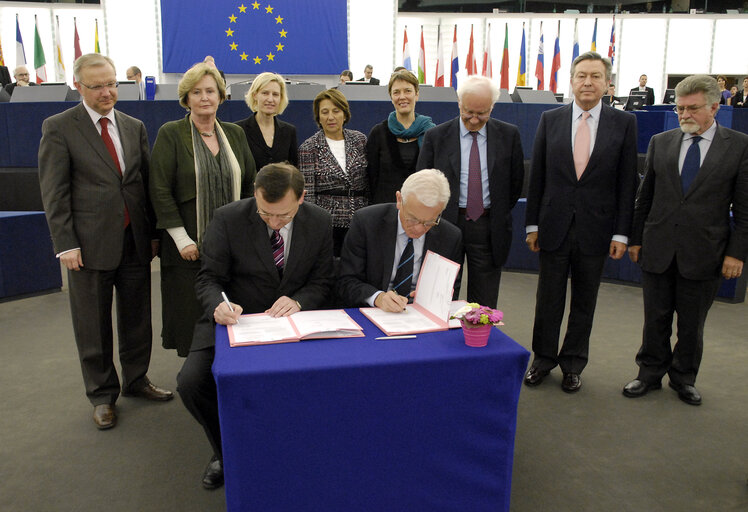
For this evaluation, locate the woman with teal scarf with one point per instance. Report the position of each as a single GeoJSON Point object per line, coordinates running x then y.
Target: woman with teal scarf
{"type": "Point", "coordinates": [393, 145]}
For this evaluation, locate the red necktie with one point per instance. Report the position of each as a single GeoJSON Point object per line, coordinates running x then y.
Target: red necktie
{"type": "Point", "coordinates": [104, 122]}
{"type": "Point", "coordinates": [474, 206]}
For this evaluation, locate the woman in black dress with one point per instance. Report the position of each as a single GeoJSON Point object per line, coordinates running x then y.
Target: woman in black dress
{"type": "Point", "coordinates": [270, 139]}
{"type": "Point", "coordinates": [393, 145]}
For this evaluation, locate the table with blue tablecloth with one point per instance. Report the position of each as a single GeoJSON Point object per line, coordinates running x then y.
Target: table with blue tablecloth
{"type": "Point", "coordinates": [359, 424]}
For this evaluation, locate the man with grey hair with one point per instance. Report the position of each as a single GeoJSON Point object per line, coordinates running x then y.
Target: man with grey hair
{"type": "Point", "coordinates": [386, 243]}
{"type": "Point", "coordinates": [579, 209]}
{"type": "Point", "coordinates": [483, 161]}
{"type": "Point", "coordinates": [93, 173]}
{"type": "Point", "coordinates": [23, 79]}
{"type": "Point", "coordinates": [682, 236]}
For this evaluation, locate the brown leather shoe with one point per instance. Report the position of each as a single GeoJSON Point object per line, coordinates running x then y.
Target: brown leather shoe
{"type": "Point", "coordinates": [150, 392]}
{"type": "Point", "coordinates": [104, 416]}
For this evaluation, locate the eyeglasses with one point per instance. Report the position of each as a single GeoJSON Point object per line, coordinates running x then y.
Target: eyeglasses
{"type": "Point", "coordinates": [96, 88]}
{"type": "Point", "coordinates": [265, 215]}
{"type": "Point", "coordinates": [690, 108]}
{"type": "Point", "coordinates": [480, 115]}
{"type": "Point", "coordinates": [411, 222]}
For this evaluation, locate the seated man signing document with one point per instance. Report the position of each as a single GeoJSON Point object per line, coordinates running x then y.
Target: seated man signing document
{"type": "Point", "coordinates": [386, 244]}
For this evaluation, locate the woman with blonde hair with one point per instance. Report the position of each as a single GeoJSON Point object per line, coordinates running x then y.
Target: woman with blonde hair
{"type": "Point", "coordinates": [198, 164]}
{"type": "Point", "coordinates": [270, 139]}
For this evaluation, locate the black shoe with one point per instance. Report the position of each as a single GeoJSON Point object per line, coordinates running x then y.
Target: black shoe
{"type": "Point", "coordinates": [687, 393]}
{"type": "Point", "coordinates": [213, 476]}
{"type": "Point", "coordinates": [535, 376]}
{"type": "Point", "coordinates": [571, 383]}
{"type": "Point", "coordinates": [637, 388]}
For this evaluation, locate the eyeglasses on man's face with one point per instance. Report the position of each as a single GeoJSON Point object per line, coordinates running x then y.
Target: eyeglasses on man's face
{"type": "Point", "coordinates": [412, 222]}
{"type": "Point", "coordinates": [284, 216]}
{"type": "Point", "coordinates": [96, 88]}
{"type": "Point", "coordinates": [680, 109]}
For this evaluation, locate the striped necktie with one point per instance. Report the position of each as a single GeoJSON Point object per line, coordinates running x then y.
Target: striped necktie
{"type": "Point", "coordinates": [276, 242]}
{"type": "Point", "coordinates": [404, 273]}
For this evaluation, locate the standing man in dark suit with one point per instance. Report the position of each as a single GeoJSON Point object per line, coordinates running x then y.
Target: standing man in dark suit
{"type": "Point", "coordinates": [483, 161]}
{"type": "Point", "coordinates": [650, 99]}
{"type": "Point", "coordinates": [93, 172]}
{"type": "Point", "coordinates": [579, 210]}
{"type": "Point", "coordinates": [385, 238]}
{"type": "Point", "coordinates": [368, 71]}
{"type": "Point", "coordinates": [682, 236]}
{"type": "Point", "coordinates": [269, 254]}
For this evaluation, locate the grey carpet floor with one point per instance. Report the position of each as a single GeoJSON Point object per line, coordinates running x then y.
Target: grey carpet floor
{"type": "Point", "coordinates": [592, 451]}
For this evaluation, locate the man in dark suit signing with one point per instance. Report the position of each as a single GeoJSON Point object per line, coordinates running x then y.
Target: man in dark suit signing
{"type": "Point", "coordinates": [650, 98]}
{"type": "Point", "coordinates": [579, 209]}
{"type": "Point", "coordinates": [269, 254]}
{"type": "Point", "coordinates": [93, 172]}
{"type": "Point", "coordinates": [483, 161]}
{"type": "Point", "coordinates": [682, 235]}
{"type": "Point", "coordinates": [385, 239]}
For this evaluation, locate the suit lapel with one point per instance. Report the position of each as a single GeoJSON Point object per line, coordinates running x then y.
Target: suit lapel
{"type": "Point", "coordinates": [299, 243]}
{"type": "Point", "coordinates": [93, 137]}
{"type": "Point", "coordinates": [492, 138]}
{"type": "Point", "coordinates": [601, 143]}
{"type": "Point", "coordinates": [387, 248]}
{"type": "Point", "coordinates": [672, 152]}
{"type": "Point", "coordinates": [453, 134]}
{"type": "Point", "coordinates": [719, 145]}
{"type": "Point", "coordinates": [564, 132]}
{"type": "Point", "coordinates": [258, 231]}
{"type": "Point", "coordinates": [185, 135]}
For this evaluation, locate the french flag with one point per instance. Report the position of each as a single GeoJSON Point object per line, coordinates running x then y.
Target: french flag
{"type": "Point", "coordinates": [20, 54]}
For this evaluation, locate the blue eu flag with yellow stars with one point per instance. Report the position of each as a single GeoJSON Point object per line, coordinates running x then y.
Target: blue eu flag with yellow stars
{"type": "Point", "coordinates": [283, 36]}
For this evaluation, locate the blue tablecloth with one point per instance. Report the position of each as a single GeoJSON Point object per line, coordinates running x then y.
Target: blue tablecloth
{"type": "Point", "coordinates": [27, 259]}
{"type": "Point", "coordinates": [357, 424]}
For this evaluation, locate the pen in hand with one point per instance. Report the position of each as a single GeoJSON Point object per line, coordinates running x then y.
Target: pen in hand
{"type": "Point", "coordinates": [226, 300]}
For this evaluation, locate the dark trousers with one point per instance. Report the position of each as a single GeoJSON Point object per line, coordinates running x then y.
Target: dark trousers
{"type": "Point", "coordinates": [91, 294]}
{"type": "Point", "coordinates": [197, 388]}
{"type": "Point", "coordinates": [665, 294]}
{"type": "Point", "coordinates": [483, 278]}
{"type": "Point", "coordinates": [555, 268]}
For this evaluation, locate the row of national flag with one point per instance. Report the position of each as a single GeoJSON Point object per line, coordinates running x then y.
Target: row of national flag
{"type": "Point", "coordinates": [471, 66]}
{"type": "Point", "coordinates": [40, 62]}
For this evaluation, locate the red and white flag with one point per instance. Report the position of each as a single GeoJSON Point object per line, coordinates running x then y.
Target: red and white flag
{"type": "Point", "coordinates": [439, 80]}
{"type": "Point", "coordinates": [471, 66]}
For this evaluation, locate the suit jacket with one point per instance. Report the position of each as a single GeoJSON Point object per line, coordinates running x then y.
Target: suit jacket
{"type": "Point", "coordinates": [368, 253]}
{"type": "Point", "coordinates": [601, 203]}
{"type": "Point", "coordinates": [11, 87]}
{"type": "Point", "coordinates": [441, 150]}
{"type": "Point", "coordinates": [237, 258]}
{"type": "Point", "coordinates": [172, 180]}
{"type": "Point", "coordinates": [740, 97]}
{"type": "Point", "coordinates": [695, 228]}
{"type": "Point", "coordinates": [284, 147]}
{"type": "Point", "coordinates": [373, 81]}
{"type": "Point", "coordinates": [84, 194]}
{"type": "Point", "coordinates": [4, 76]}
{"type": "Point", "coordinates": [650, 100]}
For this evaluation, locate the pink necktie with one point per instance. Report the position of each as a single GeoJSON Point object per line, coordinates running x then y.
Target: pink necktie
{"type": "Point", "coordinates": [582, 145]}
{"type": "Point", "coordinates": [474, 206]}
{"type": "Point", "coordinates": [104, 122]}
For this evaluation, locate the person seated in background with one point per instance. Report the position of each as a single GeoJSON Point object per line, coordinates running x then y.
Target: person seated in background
{"type": "Point", "coordinates": [650, 98]}
{"type": "Point", "coordinates": [4, 76]}
{"type": "Point", "coordinates": [614, 100]}
{"type": "Point", "coordinates": [368, 70]}
{"type": "Point", "coordinates": [346, 76]}
{"type": "Point", "coordinates": [133, 73]}
{"type": "Point", "coordinates": [269, 254]}
{"type": "Point", "coordinates": [386, 244]}
{"type": "Point", "coordinates": [270, 139]}
{"type": "Point", "coordinates": [333, 162]}
{"type": "Point", "coordinates": [740, 99]}
{"type": "Point", "coordinates": [21, 74]}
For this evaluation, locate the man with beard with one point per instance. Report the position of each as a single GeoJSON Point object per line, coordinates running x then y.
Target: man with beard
{"type": "Point", "coordinates": [682, 237]}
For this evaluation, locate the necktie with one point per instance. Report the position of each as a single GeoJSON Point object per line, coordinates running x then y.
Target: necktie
{"type": "Point", "coordinates": [276, 242]}
{"type": "Point", "coordinates": [104, 122]}
{"type": "Point", "coordinates": [404, 272]}
{"type": "Point", "coordinates": [582, 145]}
{"type": "Point", "coordinates": [691, 164]}
{"type": "Point", "coordinates": [475, 182]}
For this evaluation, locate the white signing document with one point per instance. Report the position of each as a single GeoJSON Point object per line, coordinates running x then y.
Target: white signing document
{"type": "Point", "coordinates": [431, 306]}
{"type": "Point", "coordinates": [262, 329]}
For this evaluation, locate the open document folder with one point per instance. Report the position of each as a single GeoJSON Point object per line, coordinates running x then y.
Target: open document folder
{"type": "Point", "coordinates": [262, 329]}
{"type": "Point", "coordinates": [431, 307]}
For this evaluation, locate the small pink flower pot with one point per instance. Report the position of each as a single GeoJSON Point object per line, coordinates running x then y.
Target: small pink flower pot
{"type": "Point", "coordinates": [476, 336]}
